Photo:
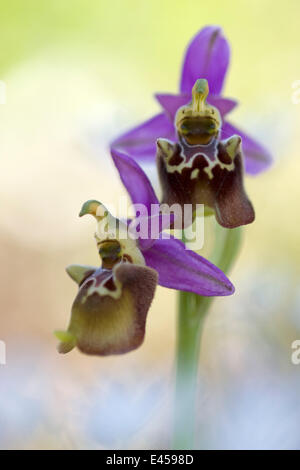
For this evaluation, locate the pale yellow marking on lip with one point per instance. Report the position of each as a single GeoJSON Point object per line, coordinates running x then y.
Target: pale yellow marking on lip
{"type": "Point", "coordinates": [77, 272]}
{"type": "Point", "coordinates": [195, 173]}
{"type": "Point", "coordinates": [232, 144]}
{"type": "Point", "coordinates": [208, 170]}
{"type": "Point", "coordinates": [101, 290]}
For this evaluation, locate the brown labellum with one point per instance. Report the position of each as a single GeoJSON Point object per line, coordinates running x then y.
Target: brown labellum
{"type": "Point", "coordinates": [189, 176]}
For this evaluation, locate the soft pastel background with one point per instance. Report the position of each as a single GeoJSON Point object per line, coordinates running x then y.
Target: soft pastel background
{"type": "Point", "coordinates": [77, 73]}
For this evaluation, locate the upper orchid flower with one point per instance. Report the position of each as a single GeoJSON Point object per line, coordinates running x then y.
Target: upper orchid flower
{"type": "Point", "coordinates": [201, 169]}
{"type": "Point", "coordinates": [110, 309]}
{"type": "Point", "coordinates": [207, 57]}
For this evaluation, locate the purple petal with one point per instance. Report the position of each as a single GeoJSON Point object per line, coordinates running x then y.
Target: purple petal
{"type": "Point", "coordinates": [134, 179]}
{"type": "Point", "coordinates": [224, 105]}
{"type": "Point", "coordinates": [257, 157]}
{"type": "Point", "coordinates": [182, 269]}
{"type": "Point", "coordinates": [170, 103]}
{"type": "Point", "coordinates": [140, 142]}
{"type": "Point", "coordinates": [149, 228]}
{"type": "Point", "coordinates": [207, 57]}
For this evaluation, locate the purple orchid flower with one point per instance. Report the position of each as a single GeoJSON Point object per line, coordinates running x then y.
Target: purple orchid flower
{"type": "Point", "coordinates": [178, 268]}
{"type": "Point", "coordinates": [201, 169]}
{"type": "Point", "coordinates": [207, 57]}
{"type": "Point", "coordinates": [110, 310]}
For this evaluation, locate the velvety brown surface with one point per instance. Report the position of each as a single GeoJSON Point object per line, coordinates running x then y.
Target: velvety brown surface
{"type": "Point", "coordinates": [104, 325]}
{"type": "Point", "coordinates": [224, 192]}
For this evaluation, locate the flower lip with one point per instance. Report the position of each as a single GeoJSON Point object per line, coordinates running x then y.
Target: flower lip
{"type": "Point", "coordinates": [217, 183]}
{"type": "Point", "coordinates": [109, 312]}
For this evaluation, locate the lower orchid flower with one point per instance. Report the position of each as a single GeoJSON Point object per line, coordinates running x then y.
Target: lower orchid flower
{"type": "Point", "coordinates": [207, 57]}
{"type": "Point", "coordinates": [110, 309]}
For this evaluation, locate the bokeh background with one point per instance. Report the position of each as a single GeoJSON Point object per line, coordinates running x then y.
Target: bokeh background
{"type": "Point", "coordinates": [77, 74]}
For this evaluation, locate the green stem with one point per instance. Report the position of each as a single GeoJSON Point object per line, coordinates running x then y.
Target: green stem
{"type": "Point", "coordinates": [192, 310]}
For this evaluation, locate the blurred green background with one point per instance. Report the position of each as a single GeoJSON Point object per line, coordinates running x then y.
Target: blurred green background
{"type": "Point", "coordinates": [78, 73]}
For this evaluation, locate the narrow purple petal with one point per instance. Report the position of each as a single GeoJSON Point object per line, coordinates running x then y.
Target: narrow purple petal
{"type": "Point", "coordinates": [224, 105]}
{"type": "Point", "coordinates": [134, 180]}
{"type": "Point", "coordinates": [207, 57]}
{"type": "Point", "coordinates": [150, 228]}
{"type": "Point", "coordinates": [170, 103]}
{"type": "Point", "coordinates": [257, 157]}
{"type": "Point", "coordinates": [183, 269]}
{"type": "Point", "coordinates": [140, 142]}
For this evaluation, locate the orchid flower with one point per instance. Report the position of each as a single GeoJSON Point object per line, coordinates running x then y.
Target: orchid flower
{"type": "Point", "coordinates": [110, 309]}
{"type": "Point", "coordinates": [207, 57]}
{"type": "Point", "coordinates": [201, 169]}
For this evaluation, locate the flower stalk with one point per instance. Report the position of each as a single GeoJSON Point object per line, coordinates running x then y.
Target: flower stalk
{"type": "Point", "coordinates": [192, 311]}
